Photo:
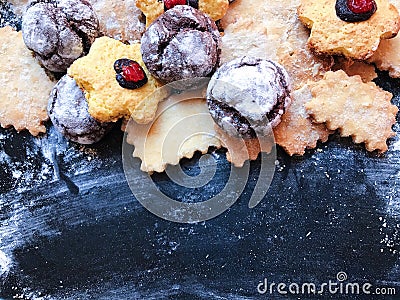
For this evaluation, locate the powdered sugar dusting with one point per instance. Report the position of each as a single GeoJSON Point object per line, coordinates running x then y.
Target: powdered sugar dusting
{"type": "Point", "coordinates": [395, 146]}
{"type": "Point", "coordinates": [26, 161]}
{"type": "Point", "coordinates": [32, 167]}
{"type": "Point", "coordinates": [121, 20]}
{"type": "Point", "coordinates": [9, 16]}
{"type": "Point", "coordinates": [255, 95]}
{"type": "Point", "coordinates": [19, 6]}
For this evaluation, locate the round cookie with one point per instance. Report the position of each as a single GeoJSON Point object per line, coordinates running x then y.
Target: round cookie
{"type": "Point", "coordinates": [183, 43]}
{"type": "Point", "coordinates": [59, 31]}
{"type": "Point", "coordinates": [68, 111]}
{"type": "Point", "coordinates": [152, 9]}
{"type": "Point", "coordinates": [248, 96]}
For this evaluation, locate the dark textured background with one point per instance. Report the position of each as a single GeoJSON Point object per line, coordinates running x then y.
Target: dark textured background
{"type": "Point", "coordinates": [335, 209]}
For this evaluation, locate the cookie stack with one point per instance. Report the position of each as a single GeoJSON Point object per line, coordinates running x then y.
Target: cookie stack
{"type": "Point", "coordinates": [279, 31]}
{"type": "Point", "coordinates": [298, 68]}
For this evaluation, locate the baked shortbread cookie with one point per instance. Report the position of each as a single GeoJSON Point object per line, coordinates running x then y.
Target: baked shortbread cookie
{"type": "Point", "coordinates": [241, 150]}
{"type": "Point", "coordinates": [271, 30]}
{"type": "Point", "coordinates": [357, 40]}
{"type": "Point", "coordinates": [25, 87]}
{"type": "Point", "coordinates": [297, 132]}
{"type": "Point", "coordinates": [387, 57]}
{"type": "Point", "coordinates": [107, 100]}
{"type": "Point", "coordinates": [120, 20]}
{"type": "Point", "coordinates": [352, 67]}
{"type": "Point", "coordinates": [181, 127]}
{"type": "Point", "coordinates": [360, 110]}
{"type": "Point", "coordinates": [152, 9]}
{"type": "Point", "coordinates": [255, 28]}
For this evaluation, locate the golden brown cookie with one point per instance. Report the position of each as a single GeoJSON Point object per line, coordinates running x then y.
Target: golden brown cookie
{"type": "Point", "coordinates": [297, 132]}
{"type": "Point", "coordinates": [107, 100]}
{"type": "Point", "coordinates": [120, 20]}
{"type": "Point", "coordinates": [360, 110]}
{"type": "Point", "coordinates": [255, 28]}
{"type": "Point", "coordinates": [352, 67]}
{"type": "Point", "coordinates": [294, 54]}
{"type": "Point", "coordinates": [152, 9]}
{"type": "Point", "coordinates": [245, 35]}
{"type": "Point", "coordinates": [25, 87]}
{"type": "Point", "coordinates": [359, 40]}
{"type": "Point", "coordinates": [387, 57]}
{"type": "Point", "coordinates": [271, 31]}
{"type": "Point", "coordinates": [182, 126]}
{"type": "Point", "coordinates": [240, 150]}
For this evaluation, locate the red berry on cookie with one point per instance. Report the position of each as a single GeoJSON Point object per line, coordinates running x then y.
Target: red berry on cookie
{"type": "Point", "coordinates": [355, 10]}
{"type": "Point", "coordinates": [168, 4]}
{"type": "Point", "coordinates": [130, 74]}
{"type": "Point", "coordinates": [361, 6]}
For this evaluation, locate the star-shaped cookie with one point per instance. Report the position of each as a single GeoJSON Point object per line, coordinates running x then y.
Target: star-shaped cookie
{"type": "Point", "coordinates": [387, 57]}
{"type": "Point", "coordinates": [107, 100]}
{"type": "Point", "coordinates": [152, 9]}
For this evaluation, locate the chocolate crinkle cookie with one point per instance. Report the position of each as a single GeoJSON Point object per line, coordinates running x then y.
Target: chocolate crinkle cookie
{"type": "Point", "coordinates": [59, 31]}
{"type": "Point", "coordinates": [182, 43]}
{"type": "Point", "coordinates": [68, 111]}
{"type": "Point", "coordinates": [247, 96]}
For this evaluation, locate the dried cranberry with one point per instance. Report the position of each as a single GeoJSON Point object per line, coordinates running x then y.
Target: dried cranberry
{"type": "Point", "coordinates": [355, 10]}
{"type": "Point", "coordinates": [130, 74]}
{"type": "Point", "coordinates": [361, 6]}
{"type": "Point", "coordinates": [168, 4]}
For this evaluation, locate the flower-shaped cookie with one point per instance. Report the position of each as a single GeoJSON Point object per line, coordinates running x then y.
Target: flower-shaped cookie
{"type": "Point", "coordinates": [359, 40]}
{"type": "Point", "coordinates": [152, 9]}
{"type": "Point", "coordinates": [107, 100]}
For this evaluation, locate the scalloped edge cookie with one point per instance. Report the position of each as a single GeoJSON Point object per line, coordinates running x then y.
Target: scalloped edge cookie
{"type": "Point", "coordinates": [360, 110]}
